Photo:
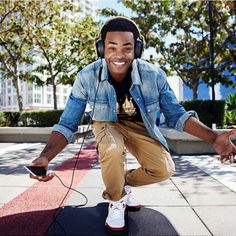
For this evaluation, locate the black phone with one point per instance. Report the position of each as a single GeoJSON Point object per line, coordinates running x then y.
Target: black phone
{"type": "Point", "coordinates": [36, 170]}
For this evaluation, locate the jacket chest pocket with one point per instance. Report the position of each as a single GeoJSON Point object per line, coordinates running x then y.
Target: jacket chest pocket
{"type": "Point", "coordinates": [152, 110]}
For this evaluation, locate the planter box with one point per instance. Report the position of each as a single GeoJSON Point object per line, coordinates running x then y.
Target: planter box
{"type": "Point", "coordinates": [33, 134]}
{"type": "Point", "coordinates": [183, 143]}
{"type": "Point", "coordinates": [25, 134]}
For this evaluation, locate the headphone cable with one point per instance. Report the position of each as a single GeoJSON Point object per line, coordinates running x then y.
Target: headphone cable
{"type": "Point", "coordinates": [77, 158]}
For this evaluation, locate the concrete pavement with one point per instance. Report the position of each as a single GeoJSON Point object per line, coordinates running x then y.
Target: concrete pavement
{"type": "Point", "coordinates": [200, 199]}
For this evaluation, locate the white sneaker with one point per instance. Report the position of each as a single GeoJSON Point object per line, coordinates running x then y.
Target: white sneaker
{"type": "Point", "coordinates": [131, 203]}
{"type": "Point", "coordinates": [115, 220]}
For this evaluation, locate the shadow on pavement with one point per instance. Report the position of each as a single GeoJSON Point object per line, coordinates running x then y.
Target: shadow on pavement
{"type": "Point", "coordinates": [89, 221]}
{"type": "Point", "coordinates": [26, 223]}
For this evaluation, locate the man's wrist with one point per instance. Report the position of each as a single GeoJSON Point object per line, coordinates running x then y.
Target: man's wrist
{"type": "Point", "coordinates": [212, 137]}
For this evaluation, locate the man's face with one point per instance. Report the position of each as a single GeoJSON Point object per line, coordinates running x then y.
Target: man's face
{"type": "Point", "coordinates": [119, 53]}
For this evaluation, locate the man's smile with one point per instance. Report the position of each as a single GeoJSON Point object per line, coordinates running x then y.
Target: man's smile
{"type": "Point", "coordinates": [119, 63]}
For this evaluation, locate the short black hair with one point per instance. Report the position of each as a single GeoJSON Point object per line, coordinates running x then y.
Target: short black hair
{"type": "Point", "coordinates": [119, 24]}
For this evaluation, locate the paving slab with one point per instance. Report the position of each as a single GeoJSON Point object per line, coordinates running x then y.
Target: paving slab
{"type": "Point", "coordinates": [183, 205]}
{"type": "Point", "coordinates": [199, 199]}
{"type": "Point", "coordinates": [166, 220]}
{"type": "Point", "coordinates": [219, 219]}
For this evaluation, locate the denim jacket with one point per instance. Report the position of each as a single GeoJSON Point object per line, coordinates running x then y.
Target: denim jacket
{"type": "Point", "coordinates": [149, 89]}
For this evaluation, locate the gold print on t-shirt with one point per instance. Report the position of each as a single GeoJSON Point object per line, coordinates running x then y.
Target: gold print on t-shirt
{"type": "Point", "coordinates": [125, 109]}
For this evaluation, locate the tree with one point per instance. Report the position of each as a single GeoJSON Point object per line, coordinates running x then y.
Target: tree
{"type": "Point", "coordinates": [15, 53]}
{"type": "Point", "coordinates": [179, 33]}
{"type": "Point", "coordinates": [49, 36]}
{"type": "Point", "coordinates": [62, 46]}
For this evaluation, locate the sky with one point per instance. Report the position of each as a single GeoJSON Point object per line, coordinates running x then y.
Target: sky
{"type": "Point", "coordinates": [114, 4]}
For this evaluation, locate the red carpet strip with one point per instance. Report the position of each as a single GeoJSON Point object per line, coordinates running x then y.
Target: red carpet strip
{"type": "Point", "coordinates": [31, 213]}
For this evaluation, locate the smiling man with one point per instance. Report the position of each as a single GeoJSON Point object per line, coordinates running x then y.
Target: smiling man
{"type": "Point", "coordinates": [125, 93]}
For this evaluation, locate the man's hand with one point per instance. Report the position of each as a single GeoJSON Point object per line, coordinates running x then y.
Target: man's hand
{"type": "Point", "coordinates": [224, 146]}
{"type": "Point", "coordinates": [43, 162]}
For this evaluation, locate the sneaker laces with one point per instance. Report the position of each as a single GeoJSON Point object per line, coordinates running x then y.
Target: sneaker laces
{"type": "Point", "coordinates": [116, 208]}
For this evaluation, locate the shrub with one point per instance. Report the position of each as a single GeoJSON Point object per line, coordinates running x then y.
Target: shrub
{"type": "Point", "coordinates": [12, 118]}
{"type": "Point", "coordinates": [208, 111]}
{"type": "Point", "coordinates": [3, 119]}
{"type": "Point", "coordinates": [230, 114]}
{"type": "Point", "coordinates": [42, 118]}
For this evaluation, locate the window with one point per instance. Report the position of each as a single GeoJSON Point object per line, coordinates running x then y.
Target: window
{"type": "Point", "coordinates": [49, 88]}
{"type": "Point", "coordinates": [30, 98]}
{"type": "Point", "coordinates": [14, 101]}
{"type": "Point", "coordinates": [49, 98]}
{"type": "Point", "coordinates": [64, 100]}
{"type": "Point", "coordinates": [37, 98]}
{"type": "Point", "coordinates": [8, 100]}
{"type": "Point", "coordinates": [37, 88]}
{"type": "Point", "coordinates": [30, 87]}
{"type": "Point", "coordinates": [65, 90]}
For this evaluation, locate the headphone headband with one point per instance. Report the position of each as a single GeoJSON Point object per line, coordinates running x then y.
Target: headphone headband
{"type": "Point", "coordinates": [139, 42]}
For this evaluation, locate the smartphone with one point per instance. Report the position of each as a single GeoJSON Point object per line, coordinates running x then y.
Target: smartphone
{"type": "Point", "coordinates": [36, 170]}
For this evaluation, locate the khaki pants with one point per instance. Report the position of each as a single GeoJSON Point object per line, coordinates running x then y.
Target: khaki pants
{"type": "Point", "coordinates": [112, 138]}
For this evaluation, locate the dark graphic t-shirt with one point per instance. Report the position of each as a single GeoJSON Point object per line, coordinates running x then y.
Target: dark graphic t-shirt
{"type": "Point", "coordinates": [127, 109]}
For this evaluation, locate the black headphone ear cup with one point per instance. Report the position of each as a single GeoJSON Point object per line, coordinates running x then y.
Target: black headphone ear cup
{"type": "Point", "coordinates": [100, 48]}
{"type": "Point", "coordinates": [138, 48]}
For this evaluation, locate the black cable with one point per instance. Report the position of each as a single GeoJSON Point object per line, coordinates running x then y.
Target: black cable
{"type": "Point", "coordinates": [77, 158]}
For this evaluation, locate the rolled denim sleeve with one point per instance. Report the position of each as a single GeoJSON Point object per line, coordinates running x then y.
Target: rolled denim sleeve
{"type": "Point", "coordinates": [70, 118]}
{"type": "Point", "coordinates": [173, 111]}
{"type": "Point", "coordinates": [181, 121]}
{"type": "Point", "coordinates": [67, 133]}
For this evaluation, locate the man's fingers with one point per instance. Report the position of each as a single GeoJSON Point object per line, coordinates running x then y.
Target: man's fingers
{"type": "Point", "coordinates": [225, 158]}
{"type": "Point", "coordinates": [45, 178]}
{"type": "Point", "coordinates": [231, 132]}
{"type": "Point", "coordinates": [42, 178]}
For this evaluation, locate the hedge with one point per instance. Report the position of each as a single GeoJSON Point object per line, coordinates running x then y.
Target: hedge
{"type": "Point", "coordinates": [42, 118]}
{"type": "Point", "coordinates": [37, 118]}
{"type": "Point", "coordinates": [208, 111]}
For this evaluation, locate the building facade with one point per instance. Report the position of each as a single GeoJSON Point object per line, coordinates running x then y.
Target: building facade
{"type": "Point", "coordinates": [41, 97]}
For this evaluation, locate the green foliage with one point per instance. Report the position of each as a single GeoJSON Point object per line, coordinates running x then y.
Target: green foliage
{"type": "Point", "coordinates": [230, 114]}
{"type": "Point", "coordinates": [3, 120]}
{"type": "Point", "coordinates": [208, 111]}
{"type": "Point", "coordinates": [41, 118]}
{"type": "Point", "coordinates": [9, 119]}
{"type": "Point", "coordinates": [230, 118]}
{"type": "Point", "coordinates": [179, 33]}
{"type": "Point", "coordinates": [12, 118]}
{"type": "Point", "coordinates": [41, 43]}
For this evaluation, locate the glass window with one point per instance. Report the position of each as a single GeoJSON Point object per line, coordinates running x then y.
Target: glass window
{"type": "Point", "coordinates": [37, 98]}
{"type": "Point", "coordinates": [30, 98]}
{"type": "Point", "coordinates": [14, 101]}
{"type": "Point", "coordinates": [30, 87]}
{"type": "Point", "coordinates": [64, 100]}
{"type": "Point", "coordinates": [37, 88]}
{"type": "Point", "coordinates": [49, 88]}
{"type": "Point", "coordinates": [49, 98]}
{"type": "Point", "coordinates": [65, 90]}
{"type": "Point", "coordinates": [8, 100]}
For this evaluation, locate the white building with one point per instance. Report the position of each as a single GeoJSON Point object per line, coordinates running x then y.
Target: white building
{"type": "Point", "coordinates": [37, 97]}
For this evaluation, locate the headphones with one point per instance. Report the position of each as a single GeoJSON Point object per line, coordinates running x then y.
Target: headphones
{"type": "Point", "coordinates": [139, 42]}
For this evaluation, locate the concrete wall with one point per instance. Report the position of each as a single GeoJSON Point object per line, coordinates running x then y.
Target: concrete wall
{"type": "Point", "coordinates": [183, 143]}
{"type": "Point", "coordinates": [34, 134]}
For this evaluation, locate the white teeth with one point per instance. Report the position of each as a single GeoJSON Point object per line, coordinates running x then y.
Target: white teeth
{"type": "Point", "coordinates": [119, 63]}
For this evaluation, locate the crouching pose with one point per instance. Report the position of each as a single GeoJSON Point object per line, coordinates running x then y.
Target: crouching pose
{"type": "Point", "coordinates": [125, 93]}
